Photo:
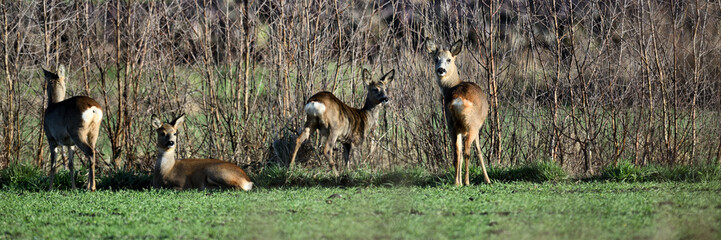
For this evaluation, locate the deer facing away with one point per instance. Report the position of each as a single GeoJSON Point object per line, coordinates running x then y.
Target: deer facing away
{"type": "Point", "coordinates": [191, 173]}
{"type": "Point", "coordinates": [465, 106]}
{"type": "Point", "coordinates": [69, 123]}
{"type": "Point", "coordinates": [337, 121]}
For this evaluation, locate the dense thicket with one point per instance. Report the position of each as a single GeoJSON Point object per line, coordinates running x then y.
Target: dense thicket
{"type": "Point", "coordinates": [581, 83]}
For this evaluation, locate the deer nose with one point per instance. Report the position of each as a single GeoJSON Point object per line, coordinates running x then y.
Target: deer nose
{"type": "Point", "coordinates": [384, 99]}
{"type": "Point", "coordinates": [171, 143]}
{"type": "Point", "coordinates": [441, 71]}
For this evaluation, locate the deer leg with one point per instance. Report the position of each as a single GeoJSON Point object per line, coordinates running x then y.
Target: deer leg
{"type": "Point", "coordinates": [454, 160]}
{"type": "Point", "coordinates": [347, 149]}
{"type": "Point", "coordinates": [90, 154]}
{"type": "Point", "coordinates": [307, 130]}
{"type": "Point", "coordinates": [328, 151]}
{"type": "Point", "coordinates": [459, 158]}
{"type": "Point", "coordinates": [352, 155]}
{"type": "Point", "coordinates": [63, 159]}
{"type": "Point", "coordinates": [467, 157]}
{"type": "Point", "coordinates": [91, 175]}
{"type": "Point", "coordinates": [92, 139]}
{"type": "Point", "coordinates": [71, 165]}
{"type": "Point", "coordinates": [53, 156]}
{"type": "Point", "coordinates": [480, 158]}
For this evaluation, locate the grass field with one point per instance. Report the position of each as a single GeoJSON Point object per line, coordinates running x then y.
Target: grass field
{"type": "Point", "coordinates": [570, 210]}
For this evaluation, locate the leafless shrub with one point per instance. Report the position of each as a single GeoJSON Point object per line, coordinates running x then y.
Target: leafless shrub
{"type": "Point", "coordinates": [584, 83]}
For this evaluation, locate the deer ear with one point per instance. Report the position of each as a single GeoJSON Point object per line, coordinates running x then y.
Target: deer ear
{"type": "Point", "coordinates": [389, 76]}
{"type": "Point", "coordinates": [430, 46]}
{"type": "Point", "coordinates": [156, 121]}
{"type": "Point", "coordinates": [61, 71]}
{"type": "Point", "coordinates": [49, 75]}
{"type": "Point", "coordinates": [178, 121]}
{"type": "Point", "coordinates": [457, 47]}
{"type": "Point", "coordinates": [366, 75]}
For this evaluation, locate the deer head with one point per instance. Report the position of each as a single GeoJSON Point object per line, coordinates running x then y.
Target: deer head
{"type": "Point", "coordinates": [56, 84]}
{"type": "Point", "coordinates": [445, 62]}
{"type": "Point", "coordinates": [377, 90]}
{"type": "Point", "coordinates": [167, 132]}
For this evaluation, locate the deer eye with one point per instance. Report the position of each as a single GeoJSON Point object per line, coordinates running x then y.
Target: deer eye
{"type": "Point", "coordinates": [448, 60]}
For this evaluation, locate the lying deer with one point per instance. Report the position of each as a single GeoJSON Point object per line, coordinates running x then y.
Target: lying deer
{"type": "Point", "coordinates": [465, 106]}
{"type": "Point", "coordinates": [191, 173]}
{"type": "Point", "coordinates": [70, 122]}
{"type": "Point", "coordinates": [337, 121]}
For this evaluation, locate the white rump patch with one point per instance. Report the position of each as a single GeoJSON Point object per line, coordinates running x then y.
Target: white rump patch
{"type": "Point", "coordinates": [247, 186]}
{"type": "Point", "coordinates": [459, 104]}
{"type": "Point", "coordinates": [92, 114]}
{"type": "Point", "coordinates": [315, 108]}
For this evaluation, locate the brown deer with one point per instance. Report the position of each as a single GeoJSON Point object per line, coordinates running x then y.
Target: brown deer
{"type": "Point", "coordinates": [465, 106]}
{"type": "Point", "coordinates": [337, 121]}
{"type": "Point", "coordinates": [70, 122]}
{"type": "Point", "coordinates": [191, 173]}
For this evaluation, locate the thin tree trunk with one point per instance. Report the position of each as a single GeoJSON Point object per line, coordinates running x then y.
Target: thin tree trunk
{"type": "Point", "coordinates": [246, 72]}
{"type": "Point", "coordinates": [46, 43]}
{"type": "Point", "coordinates": [10, 120]}
{"type": "Point", "coordinates": [340, 42]}
{"type": "Point", "coordinates": [555, 149]}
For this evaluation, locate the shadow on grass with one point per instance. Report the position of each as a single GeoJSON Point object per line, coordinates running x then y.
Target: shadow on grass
{"type": "Point", "coordinates": [31, 178]}
{"type": "Point", "coordinates": [281, 177]}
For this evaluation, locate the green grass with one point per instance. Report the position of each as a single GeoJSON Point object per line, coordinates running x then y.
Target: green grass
{"type": "Point", "coordinates": [499, 211]}
{"type": "Point", "coordinates": [532, 201]}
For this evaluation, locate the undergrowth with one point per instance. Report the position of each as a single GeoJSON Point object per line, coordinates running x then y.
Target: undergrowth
{"type": "Point", "coordinates": [32, 178]}
{"type": "Point", "coordinates": [532, 172]}
{"type": "Point", "coordinates": [628, 172]}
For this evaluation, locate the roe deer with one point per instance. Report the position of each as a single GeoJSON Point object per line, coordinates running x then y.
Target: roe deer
{"type": "Point", "coordinates": [337, 121]}
{"type": "Point", "coordinates": [70, 122]}
{"type": "Point", "coordinates": [191, 173]}
{"type": "Point", "coordinates": [465, 106]}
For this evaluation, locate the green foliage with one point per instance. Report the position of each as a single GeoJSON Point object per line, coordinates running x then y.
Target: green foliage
{"type": "Point", "coordinates": [623, 172]}
{"type": "Point", "coordinates": [62, 179]}
{"type": "Point", "coordinates": [31, 178]}
{"type": "Point", "coordinates": [23, 176]}
{"type": "Point", "coordinates": [626, 171]}
{"type": "Point", "coordinates": [686, 173]}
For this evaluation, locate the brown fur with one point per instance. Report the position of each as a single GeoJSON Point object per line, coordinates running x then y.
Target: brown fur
{"type": "Point", "coordinates": [475, 106]}
{"type": "Point", "coordinates": [65, 125]}
{"type": "Point", "coordinates": [340, 122]}
{"type": "Point", "coordinates": [349, 121]}
{"type": "Point", "coordinates": [204, 173]}
{"type": "Point", "coordinates": [466, 107]}
{"type": "Point", "coordinates": [191, 173]}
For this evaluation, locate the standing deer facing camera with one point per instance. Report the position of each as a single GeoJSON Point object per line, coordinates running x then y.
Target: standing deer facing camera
{"type": "Point", "coordinates": [337, 121]}
{"type": "Point", "coordinates": [465, 106]}
{"type": "Point", "coordinates": [70, 122]}
{"type": "Point", "coordinates": [191, 173]}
